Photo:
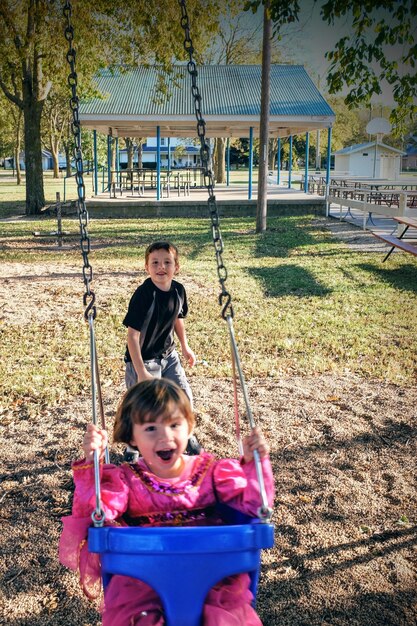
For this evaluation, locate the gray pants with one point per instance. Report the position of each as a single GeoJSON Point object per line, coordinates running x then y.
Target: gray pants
{"type": "Point", "coordinates": [169, 367]}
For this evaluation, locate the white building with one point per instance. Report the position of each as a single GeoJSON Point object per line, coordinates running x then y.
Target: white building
{"type": "Point", "coordinates": [47, 161]}
{"type": "Point", "coordinates": [183, 153]}
{"type": "Point", "coordinates": [369, 160]}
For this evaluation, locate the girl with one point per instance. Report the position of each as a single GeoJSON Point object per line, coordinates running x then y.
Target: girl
{"type": "Point", "coordinates": [165, 487]}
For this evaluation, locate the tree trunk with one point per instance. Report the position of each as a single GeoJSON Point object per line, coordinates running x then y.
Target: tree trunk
{"type": "Point", "coordinates": [272, 153]}
{"type": "Point", "coordinates": [129, 148]}
{"type": "Point", "coordinates": [220, 161]}
{"type": "Point", "coordinates": [68, 156]}
{"type": "Point", "coordinates": [16, 154]}
{"type": "Point", "coordinates": [35, 197]}
{"type": "Point", "coordinates": [17, 146]}
{"type": "Point", "coordinates": [55, 158]}
{"type": "Point", "coordinates": [261, 210]}
{"type": "Point", "coordinates": [140, 153]}
{"type": "Point", "coordinates": [213, 156]}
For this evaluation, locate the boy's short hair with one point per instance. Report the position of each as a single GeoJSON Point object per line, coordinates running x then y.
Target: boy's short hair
{"type": "Point", "coordinates": [145, 402]}
{"type": "Point", "coordinates": [162, 245]}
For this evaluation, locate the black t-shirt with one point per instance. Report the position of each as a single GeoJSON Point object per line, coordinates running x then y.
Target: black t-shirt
{"type": "Point", "coordinates": [153, 313]}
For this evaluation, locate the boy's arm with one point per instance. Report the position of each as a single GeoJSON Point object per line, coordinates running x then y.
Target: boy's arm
{"type": "Point", "coordinates": [187, 353]}
{"type": "Point", "coordinates": [133, 344]}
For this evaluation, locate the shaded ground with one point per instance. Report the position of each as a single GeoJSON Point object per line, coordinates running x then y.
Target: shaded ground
{"type": "Point", "coordinates": [343, 451]}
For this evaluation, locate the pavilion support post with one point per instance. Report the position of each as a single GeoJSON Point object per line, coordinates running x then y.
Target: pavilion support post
{"type": "Point", "coordinates": [290, 165]}
{"type": "Point", "coordinates": [158, 163]}
{"type": "Point", "coordinates": [109, 161]}
{"type": "Point", "coordinates": [116, 141]}
{"type": "Point", "coordinates": [329, 152]}
{"type": "Point", "coordinates": [279, 161]}
{"type": "Point", "coordinates": [306, 163]}
{"type": "Point", "coordinates": [228, 162]}
{"type": "Point", "coordinates": [95, 163]}
{"type": "Point", "coordinates": [169, 154]}
{"type": "Point", "coordinates": [250, 162]}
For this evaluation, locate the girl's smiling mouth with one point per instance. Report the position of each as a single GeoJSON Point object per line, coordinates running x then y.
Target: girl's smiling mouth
{"type": "Point", "coordinates": [165, 455]}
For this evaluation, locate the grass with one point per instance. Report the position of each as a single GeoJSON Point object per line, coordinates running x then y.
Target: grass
{"type": "Point", "coordinates": [304, 304]}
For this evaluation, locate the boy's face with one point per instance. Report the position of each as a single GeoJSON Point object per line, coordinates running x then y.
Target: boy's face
{"type": "Point", "coordinates": [161, 267]}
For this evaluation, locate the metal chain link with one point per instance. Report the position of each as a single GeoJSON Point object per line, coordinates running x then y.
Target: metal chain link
{"type": "Point", "coordinates": [225, 299]}
{"type": "Point", "coordinates": [89, 295]}
{"type": "Point", "coordinates": [98, 515]}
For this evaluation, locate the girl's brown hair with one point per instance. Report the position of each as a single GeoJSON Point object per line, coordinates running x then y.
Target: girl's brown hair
{"type": "Point", "coordinates": [145, 402]}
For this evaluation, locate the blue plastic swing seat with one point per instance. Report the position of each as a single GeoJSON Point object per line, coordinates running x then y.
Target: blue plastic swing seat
{"type": "Point", "coordinates": [183, 563]}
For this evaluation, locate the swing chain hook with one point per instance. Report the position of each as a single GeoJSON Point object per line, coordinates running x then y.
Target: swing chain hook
{"type": "Point", "coordinates": [225, 299]}
{"type": "Point", "coordinates": [89, 296]}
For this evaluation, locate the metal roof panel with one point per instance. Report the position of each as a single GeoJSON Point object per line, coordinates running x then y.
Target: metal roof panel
{"type": "Point", "coordinates": [226, 90]}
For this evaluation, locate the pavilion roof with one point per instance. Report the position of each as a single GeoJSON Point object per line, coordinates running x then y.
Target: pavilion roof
{"type": "Point", "coordinates": [231, 100]}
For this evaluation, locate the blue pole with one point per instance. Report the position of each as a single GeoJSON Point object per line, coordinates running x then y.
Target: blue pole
{"type": "Point", "coordinates": [228, 162]}
{"type": "Point", "coordinates": [306, 165]}
{"type": "Point", "coordinates": [250, 162]}
{"type": "Point", "coordinates": [329, 150]}
{"type": "Point", "coordinates": [108, 160]}
{"type": "Point", "coordinates": [169, 153]}
{"type": "Point", "coordinates": [290, 164]}
{"type": "Point", "coordinates": [279, 161]}
{"type": "Point", "coordinates": [95, 163]}
{"type": "Point", "coordinates": [117, 157]}
{"type": "Point", "coordinates": [158, 162]}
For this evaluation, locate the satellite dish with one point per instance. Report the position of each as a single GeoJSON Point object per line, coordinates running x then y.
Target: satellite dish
{"type": "Point", "coordinates": [379, 126]}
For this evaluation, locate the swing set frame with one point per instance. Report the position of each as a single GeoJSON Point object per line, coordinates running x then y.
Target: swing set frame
{"type": "Point", "coordinates": [179, 563]}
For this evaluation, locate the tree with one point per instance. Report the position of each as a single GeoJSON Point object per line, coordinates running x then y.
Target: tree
{"type": "Point", "coordinates": [33, 48]}
{"type": "Point", "coordinates": [236, 42]}
{"type": "Point", "coordinates": [10, 137]}
{"type": "Point", "coordinates": [261, 209]}
{"type": "Point", "coordinates": [56, 120]}
{"type": "Point", "coordinates": [379, 47]}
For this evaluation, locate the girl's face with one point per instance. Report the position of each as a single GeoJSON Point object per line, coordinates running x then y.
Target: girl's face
{"type": "Point", "coordinates": [161, 267]}
{"type": "Point", "coordinates": [162, 443]}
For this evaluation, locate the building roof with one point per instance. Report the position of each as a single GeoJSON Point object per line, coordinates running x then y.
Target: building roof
{"type": "Point", "coordinates": [357, 147]}
{"type": "Point", "coordinates": [231, 102]}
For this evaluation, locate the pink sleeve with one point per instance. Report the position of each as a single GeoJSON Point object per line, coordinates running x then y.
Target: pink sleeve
{"type": "Point", "coordinates": [73, 552]}
{"type": "Point", "coordinates": [236, 484]}
{"type": "Point", "coordinates": [114, 490]}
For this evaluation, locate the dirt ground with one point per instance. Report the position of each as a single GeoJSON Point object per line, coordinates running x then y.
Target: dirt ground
{"type": "Point", "coordinates": [343, 451]}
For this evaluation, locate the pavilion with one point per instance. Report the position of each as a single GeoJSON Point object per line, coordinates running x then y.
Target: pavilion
{"type": "Point", "coordinates": [132, 105]}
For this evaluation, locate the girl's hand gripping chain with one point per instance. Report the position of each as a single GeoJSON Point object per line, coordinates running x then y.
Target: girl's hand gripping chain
{"type": "Point", "coordinates": [254, 441]}
{"type": "Point", "coordinates": [94, 439]}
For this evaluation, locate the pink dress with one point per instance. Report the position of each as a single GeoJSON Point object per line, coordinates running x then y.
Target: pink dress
{"type": "Point", "coordinates": [131, 494]}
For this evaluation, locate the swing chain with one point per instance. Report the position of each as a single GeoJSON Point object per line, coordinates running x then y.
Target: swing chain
{"type": "Point", "coordinates": [89, 295]}
{"type": "Point", "coordinates": [225, 299]}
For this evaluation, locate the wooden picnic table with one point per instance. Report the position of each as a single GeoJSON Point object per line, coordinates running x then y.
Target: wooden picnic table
{"type": "Point", "coordinates": [398, 242]}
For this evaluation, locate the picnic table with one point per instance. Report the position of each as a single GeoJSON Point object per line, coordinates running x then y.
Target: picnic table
{"type": "Point", "coordinates": [398, 241]}
{"type": "Point", "coordinates": [136, 180]}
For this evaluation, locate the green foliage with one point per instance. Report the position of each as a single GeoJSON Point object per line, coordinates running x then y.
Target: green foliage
{"type": "Point", "coordinates": [381, 47]}
{"type": "Point", "coordinates": [33, 50]}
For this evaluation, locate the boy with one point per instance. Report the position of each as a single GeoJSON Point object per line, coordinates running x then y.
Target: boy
{"type": "Point", "coordinates": [156, 310]}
